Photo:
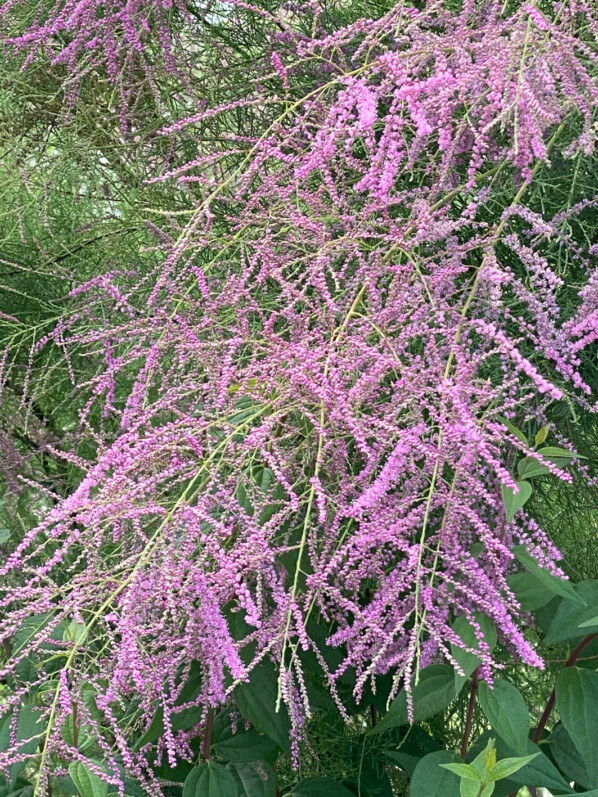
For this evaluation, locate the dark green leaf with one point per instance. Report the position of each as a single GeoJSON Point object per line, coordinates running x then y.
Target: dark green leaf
{"type": "Point", "coordinates": [529, 591]}
{"type": "Point", "coordinates": [88, 783]}
{"type": "Point", "coordinates": [18, 788]}
{"type": "Point", "coordinates": [560, 618]}
{"type": "Point", "coordinates": [513, 429]}
{"type": "Point", "coordinates": [577, 704]}
{"type": "Point", "coordinates": [256, 779]}
{"type": "Point", "coordinates": [590, 619]}
{"type": "Point", "coordinates": [320, 787]}
{"type": "Point", "coordinates": [553, 583]}
{"type": "Point", "coordinates": [540, 772]}
{"type": "Point", "coordinates": [210, 780]}
{"type": "Point", "coordinates": [29, 727]}
{"type": "Point", "coordinates": [434, 691]}
{"type": "Point", "coordinates": [514, 501]}
{"type": "Point", "coordinates": [247, 746]}
{"type": "Point", "coordinates": [257, 703]}
{"type": "Point", "coordinates": [529, 467]}
{"type": "Point", "coordinates": [403, 760]}
{"type": "Point", "coordinates": [567, 757]}
{"type": "Point", "coordinates": [429, 780]}
{"type": "Point", "coordinates": [506, 712]}
{"type": "Point", "coordinates": [468, 661]}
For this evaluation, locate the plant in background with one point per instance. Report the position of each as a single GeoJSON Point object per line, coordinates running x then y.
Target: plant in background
{"type": "Point", "coordinates": [311, 410]}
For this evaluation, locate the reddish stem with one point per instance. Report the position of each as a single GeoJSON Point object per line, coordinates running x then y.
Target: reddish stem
{"type": "Point", "coordinates": [469, 720]}
{"type": "Point", "coordinates": [550, 705]}
{"type": "Point", "coordinates": [207, 737]}
{"type": "Point", "coordinates": [373, 715]}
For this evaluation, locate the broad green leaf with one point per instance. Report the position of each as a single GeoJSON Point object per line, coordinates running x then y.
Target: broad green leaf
{"type": "Point", "coordinates": [405, 761]}
{"type": "Point", "coordinates": [560, 619]}
{"type": "Point", "coordinates": [485, 759]}
{"type": "Point", "coordinates": [514, 501]}
{"type": "Point", "coordinates": [591, 620]}
{"type": "Point", "coordinates": [508, 766]}
{"type": "Point", "coordinates": [552, 452]}
{"type": "Point", "coordinates": [577, 704]}
{"type": "Point", "coordinates": [567, 757]}
{"type": "Point", "coordinates": [256, 701]}
{"type": "Point", "coordinates": [255, 779]}
{"type": "Point", "coordinates": [539, 772]}
{"type": "Point", "coordinates": [434, 691]}
{"type": "Point", "coordinates": [506, 712]}
{"type": "Point", "coordinates": [553, 583]}
{"type": "Point", "coordinates": [463, 771]}
{"type": "Point", "coordinates": [529, 467]}
{"type": "Point", "coordinates": [430, 780]}
{"type": "Point", "coordinates": [529, 591]}
{"type": "Point", "coordinates": [468, 788]}
{"type": "Point", "coordinates": [4, 535]}
{"type": "Point", "coordinates": [468, 661]}
{"type": "Point", "coordinates": [18, 788]}
{"type": "Point", "coordinates": [29, 727]}
{"type": "Point", "coordinates": [88, 783]}
{"type": "Point", "coordinates": [247, 746]}
{"type": "Point", "coordinates": [320, 787]}
{"type": "Point", "coordinates": [372, 783]}
{"type": "Point", "coordinates": [210, 780]}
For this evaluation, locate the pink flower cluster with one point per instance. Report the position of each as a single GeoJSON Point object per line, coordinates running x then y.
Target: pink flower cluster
{"type": "Point", "coordinates": [300, 413]}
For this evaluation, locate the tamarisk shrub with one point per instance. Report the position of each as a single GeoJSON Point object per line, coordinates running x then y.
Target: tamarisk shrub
{"type": "Point", "coordinates": [308, 414]}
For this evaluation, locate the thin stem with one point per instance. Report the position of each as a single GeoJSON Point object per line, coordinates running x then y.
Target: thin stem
{"type": "Point", "coordinates": [207, 737]}
{"type": "Point", "coordinates": [470, 707]}
{"type": "Point", "coordinates": [551, 700]}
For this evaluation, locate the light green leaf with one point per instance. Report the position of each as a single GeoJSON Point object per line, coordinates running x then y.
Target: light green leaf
{"type": "Point", "coordinates": [470, 789]}
{"type": "Point", "coordinates": [463, 771]}
{"type": "Point", "coordinates": [552, 452]}
{"type": "Point", "coordinates": [514, 501]}
{"type": "Point", "coordinates": [541, 435]}
{"type": "Point", "coordinates": [508, 766]}
{"type": "Point", "coordinates": [4, 535]}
